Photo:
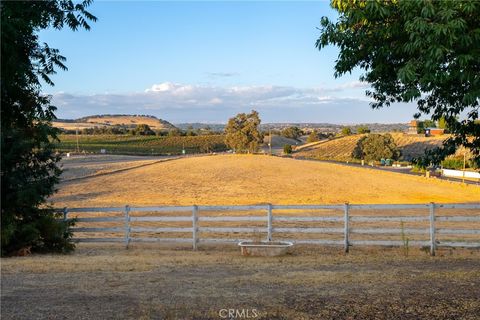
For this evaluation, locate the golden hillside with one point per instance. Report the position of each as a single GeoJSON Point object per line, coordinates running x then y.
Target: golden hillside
{"type": "Point", "coordinates": [340, 149]}
{"type": "Point", "coordinates": [255, 179]}
{"type": "Point", "coordinates": [113, 120]}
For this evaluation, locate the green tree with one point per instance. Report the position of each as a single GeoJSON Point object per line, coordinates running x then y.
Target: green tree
{"type": "Point", "coordinates": [242, 132]}
{"type": "Point", "coordinates": [363, 129]}
{"type": "Point", "coordinates": [420, 127]}
{"type": "Point", "coordinates": [292, 132]}
{"type": "Point", "coordinates": [175, 132]}
{"type": "Point", "coordinates": [313, 136]}
{"type": "Point", "coordinates": [442, 124]}
{"type": "Point", "coordinates": [375, 147]}
{"type": "Point", "coordinates": [346, 131]}
{"type": "Point", "coordinates": [287, 149]}
{"type": "Point", "coordinates": [423, 51]}
{"type": "Point", "coordinates": [29, 165]}
{"type": "Point", "coordinates": [144, 130]}
{"type": "Point", "coordinates": [429, 124]}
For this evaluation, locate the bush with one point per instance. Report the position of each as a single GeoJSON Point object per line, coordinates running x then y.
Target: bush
{"type": "Point", "coordinates": [287, 149]}
{"type": "Point", "coordinates": [346, 131]}
{"type": "Point", "coordinates": [456, 163]}
{"type": "Point", "coordinates": [313, 136]}
{"type": "Point", "coordinates": [363, 129]}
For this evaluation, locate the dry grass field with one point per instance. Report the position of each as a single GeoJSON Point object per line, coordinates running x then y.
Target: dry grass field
{"type": "Point", "coordinates": [248, 179]}
{"type": "Point", "coordinates": [341, 149]}
{"type": "Point", "coordinates": [154, 282]}
{"type": "Point", "coordinates": [169, 281]}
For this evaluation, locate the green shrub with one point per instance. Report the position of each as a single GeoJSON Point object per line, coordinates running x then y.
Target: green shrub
{"type": "Point", "coordinates": [457, 163]}
{"type": "Point", "coordinates": [452, 163]}
{"type": "Point", "coordinates": [287, 149]}
{"type": "Point", "coordinates": [346, 131]}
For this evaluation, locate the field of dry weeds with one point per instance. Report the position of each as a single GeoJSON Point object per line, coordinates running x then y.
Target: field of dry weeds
{"type": "Point", "coordinates": [256, 179]}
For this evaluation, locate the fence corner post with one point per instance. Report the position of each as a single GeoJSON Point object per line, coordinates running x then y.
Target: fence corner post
{"type": "Point", "coordinates": [269, 222]}
{"type": "Point", "coordinates": [127, 226]}
{"type": "Point", "coordinates": [432, 229]}
{"type": "Point", "coordinates": [194, 226]}
{"type": "Point", "coordinates": [346, 218]}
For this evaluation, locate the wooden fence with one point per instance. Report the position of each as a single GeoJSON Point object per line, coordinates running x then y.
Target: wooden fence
{"type": "Point", "coordinates": [347, 225]}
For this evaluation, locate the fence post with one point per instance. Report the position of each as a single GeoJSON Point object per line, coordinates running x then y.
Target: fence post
{"type": "Point", "coordinates": [127, 225]}
{"type": "Point", "coordinates": [65, 214]}
{"type": "Point", "coordinates": [432, 229]}
{"type": "Point", "coordinates": [346, 219]}
{"type": "Point", "coordinates": [194, 226]}
{"type": "Point", "coordinates": [269, 223]}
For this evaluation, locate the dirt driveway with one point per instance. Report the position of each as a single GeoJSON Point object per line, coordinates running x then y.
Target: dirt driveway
{"type": "Point", "coordinates": [153, 282]}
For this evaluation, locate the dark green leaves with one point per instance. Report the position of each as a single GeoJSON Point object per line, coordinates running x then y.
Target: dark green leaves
{"type": "Point", "coordinates": [29, 164]}
{"type": "Point", "coordinates": [424, 51]}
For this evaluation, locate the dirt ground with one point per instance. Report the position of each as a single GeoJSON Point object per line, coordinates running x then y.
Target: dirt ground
{"type": "Point", "coordinates": [80, 166]}
{"type": "Point", "coordinates": [158, 282]}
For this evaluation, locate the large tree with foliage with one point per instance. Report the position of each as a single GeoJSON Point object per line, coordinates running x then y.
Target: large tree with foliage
{"type": "Point", "coordinates": [29, 165]}
{"type": "Point", "coordinates": [415, 50]}
{"type": "Point", "coordinates": [242, 132]}
{"type": "Point", "coordinates": [292, 132]}
{"type": "Point", "coordinates": [374, 147]}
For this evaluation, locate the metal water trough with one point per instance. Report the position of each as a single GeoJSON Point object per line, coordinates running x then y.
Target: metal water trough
{"type": "Point", "coordinates": [265, 248]}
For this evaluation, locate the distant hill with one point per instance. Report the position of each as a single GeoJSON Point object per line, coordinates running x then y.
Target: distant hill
{"type": "Point", "coordinates": [340, 149]}
{"type": "Point", "coordinates": [323, 127]}
{"type": "Point", "coordinates": [335, 128]}
{"type": "Point", "coordinates": [200, 125]}
{"type": "Point", "coordinates": [113, 120]}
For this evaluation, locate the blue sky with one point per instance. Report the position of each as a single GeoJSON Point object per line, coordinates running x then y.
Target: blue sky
{"type": "Point", "coordinates": [205, 62]}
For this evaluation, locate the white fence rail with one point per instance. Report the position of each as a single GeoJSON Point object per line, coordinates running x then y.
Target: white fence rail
{"type": "Point", "coordinates": [347, 225]}
{"type": "Point", "coordinates": [461, 174]}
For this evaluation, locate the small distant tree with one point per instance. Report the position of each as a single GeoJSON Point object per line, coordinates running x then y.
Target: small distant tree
{"type": "Point", "coordinates": [429, 124]}
{"type": "Point", "coordinates": [144, 130]}
{"type": "Point", "coordinates": [346, 131]}
{"type": "Point", "coordinates": [313, 136]}
{"type": "Point", "coordinates": [287, 149]}
{"type": "Point", "coordinates": [175, 132]}
{"type": "Point", "coordinates": [375, 147]}
{"type": "Point", "coordinates": [292, 132]}
{"type": "Point", "coordinates": [442, 123]}
{"type": "Point", "coordinates": [191, 131]}
{"type": "Point", "coordinates": [420, 127]}
{"type": "Point", "coordinates": [161, 133]}
{"type": "Point", "coordinates": [242, 132]}
{"type": "Point", "coordinates": [363, 129]}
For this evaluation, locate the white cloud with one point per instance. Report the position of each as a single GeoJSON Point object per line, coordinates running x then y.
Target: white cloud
{"type": "Point", "coordinates": [222, 74]}
{"type": "Point", "coordinates": [185, 102]}
{"type": "Point", "coordinates": [353, 85]}
{"type": "Point", "coordinates": [216, 101]}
